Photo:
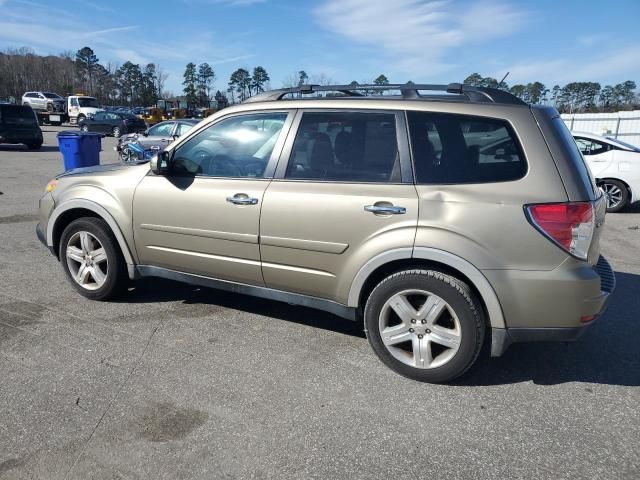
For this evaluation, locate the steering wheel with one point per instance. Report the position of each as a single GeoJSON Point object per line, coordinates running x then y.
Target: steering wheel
{"type": "Point", "coordinates": [223, 166]}
{"type": "Point", "coordinates": [254, 167]}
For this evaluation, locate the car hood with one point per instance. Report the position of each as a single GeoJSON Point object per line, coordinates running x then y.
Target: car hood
{"type": "Point", "coordinates": [112, 167]}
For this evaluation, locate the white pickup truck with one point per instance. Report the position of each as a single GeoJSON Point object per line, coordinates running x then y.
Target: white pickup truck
{"type": "Point", "coordinates": [81, 106]}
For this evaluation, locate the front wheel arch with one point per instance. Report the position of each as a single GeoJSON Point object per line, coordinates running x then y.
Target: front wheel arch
{"type": "Point", "coordinates": [74, 209]}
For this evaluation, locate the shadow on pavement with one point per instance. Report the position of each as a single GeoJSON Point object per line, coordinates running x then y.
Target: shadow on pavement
{"type": "Point", "coordinates": [608, 353]}
{"type": "Point", "coordinates": [151, 290]}
{"type": "Point", "coordinates": [23, 148]}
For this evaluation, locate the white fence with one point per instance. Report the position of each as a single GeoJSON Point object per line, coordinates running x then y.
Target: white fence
{"type": "Point", "coordinates": [624, 126]}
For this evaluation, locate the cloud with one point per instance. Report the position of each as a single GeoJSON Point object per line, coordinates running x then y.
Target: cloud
{"type": "Point", "coordinates": [418, 36]}
{"type": "Point", "coordinates": [132, 56]}
{"type": "Point", "coordinates": [592, 39]}
{"type": "Point", "coordinates": [607, 66]}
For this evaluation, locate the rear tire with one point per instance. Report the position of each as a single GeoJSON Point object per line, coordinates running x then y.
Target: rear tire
{"type": "Point", "coordinates": [440, 333]}
{"type": "Point", "coordinates": [91, 258]}
{"type": "Point", "coordinates": [34, 146]}
{"type": "Point", "coordinates": [617, 195]}
{"type": "Point", "coordinates": [84, 128]}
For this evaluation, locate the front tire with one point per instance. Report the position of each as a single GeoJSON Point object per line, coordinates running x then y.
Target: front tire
{"type": "Point", "coordinates": [425, 325]}
{"type": "Point", "coordinates": [34, 146]}
{"type": "Point", "coordinates": [91, 258]}
{"type": "Point", "coordinates": [617, 195]}
{"type": "Point", "coordinates": [116, 132]}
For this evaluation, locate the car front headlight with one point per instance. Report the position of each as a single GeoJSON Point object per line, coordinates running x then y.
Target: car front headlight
{"type": "Point", "coordinates": [51, 186]}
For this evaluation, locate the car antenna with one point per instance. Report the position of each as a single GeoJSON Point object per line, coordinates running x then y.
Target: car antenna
{"type": "Point", "coordinates": [503, 78]}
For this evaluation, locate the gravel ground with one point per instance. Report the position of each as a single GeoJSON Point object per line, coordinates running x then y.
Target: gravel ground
{"type": "Point", "coordinates": [177, 382]}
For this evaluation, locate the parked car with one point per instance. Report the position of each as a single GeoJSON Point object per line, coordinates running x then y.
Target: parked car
{"type": "Point", "coordinates": [113, 123]}
{"type": "Point", "coordinates": [616, 164]}
{"type": "Point", "coordinates": [44, 101]}
{"type": "Point", "coordinates": [375, 209]}
{"type": "Point", "coordinates": [19, 124]}
{"type": "Point", "coordinates": [158, 136]}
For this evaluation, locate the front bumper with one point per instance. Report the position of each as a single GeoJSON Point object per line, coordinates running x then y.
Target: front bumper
{"type": "Point", "coordinates": [501, 338]}
{"type": "Point", "coordinates": [43, 239]}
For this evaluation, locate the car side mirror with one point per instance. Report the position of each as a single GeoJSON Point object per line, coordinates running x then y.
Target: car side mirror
{"type": "Point", "coordinates": [160, 162]}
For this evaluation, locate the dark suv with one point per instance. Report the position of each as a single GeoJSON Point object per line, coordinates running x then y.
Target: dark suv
{"type": "Point", "coordinates": [19, 124]}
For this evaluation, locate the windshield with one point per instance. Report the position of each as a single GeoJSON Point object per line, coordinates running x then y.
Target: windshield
{"type": "Point", "coordinates": [14, 114]}
{"type": "Point", "coordinates": [624, 144]}
{"type": "Point", "coordinates": [88, 102]}
{"type": "Point", "coordinates": [52, 95]}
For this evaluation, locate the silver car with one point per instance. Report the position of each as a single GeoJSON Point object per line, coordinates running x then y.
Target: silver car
{"type": "Point", "coordinates": [155, 137]}
{"type": "Point", "coordinates": [44, 101]}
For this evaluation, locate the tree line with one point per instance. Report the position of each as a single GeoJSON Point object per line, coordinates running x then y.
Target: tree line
{"type": "Point", "coordinates": [21, 70]}
{"type": "Point", "coordinates": [574, 97]}
{"type": "Point", "coordinates": [133, 84]}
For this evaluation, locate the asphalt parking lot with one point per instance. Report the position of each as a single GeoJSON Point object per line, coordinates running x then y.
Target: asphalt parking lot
{"type": "Point", "coordinates": [178, 382]}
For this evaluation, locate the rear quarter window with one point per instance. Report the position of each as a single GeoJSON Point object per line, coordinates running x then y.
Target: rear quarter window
{"type": "Point", "coordinates": [451, 149]}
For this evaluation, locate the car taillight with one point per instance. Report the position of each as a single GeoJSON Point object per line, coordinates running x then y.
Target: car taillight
{"type": "Point", "coordinates": [570, 225]}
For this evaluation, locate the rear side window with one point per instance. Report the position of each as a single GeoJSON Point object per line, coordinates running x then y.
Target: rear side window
{"type": "Point", "coordinates": [345, 147]}
{"type": "Point", "coordinates": [588, 146]}
{"type": "Point", "coordinates": [449, 148]}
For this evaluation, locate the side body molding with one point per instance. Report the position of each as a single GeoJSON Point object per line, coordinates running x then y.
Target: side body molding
{"type": "Point", "coordinates": [102, 212]}
{"type": "Point", "coordinates": [489, 296]}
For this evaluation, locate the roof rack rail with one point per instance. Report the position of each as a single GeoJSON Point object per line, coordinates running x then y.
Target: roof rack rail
{"type": "Point", "coordinates": [408, 90]}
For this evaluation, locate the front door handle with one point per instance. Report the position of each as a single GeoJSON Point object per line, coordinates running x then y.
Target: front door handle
{"type": "Point", "coordinates": [242, 199]}
{"type": "Point", "coordinates": [385, 209]}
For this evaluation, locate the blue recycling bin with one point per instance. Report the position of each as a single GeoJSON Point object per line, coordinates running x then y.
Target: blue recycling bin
{"type": "Point", "coordinates": [80, 149]}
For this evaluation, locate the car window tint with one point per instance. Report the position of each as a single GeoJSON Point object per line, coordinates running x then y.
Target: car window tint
{"type": "Point", "coordinates": [161, 130]}
{"type": "Point", "coordinates": [238, 146]}
{"type": "Point", "coordinates": [345, 147]}
{"type": "Point", "coordinates": [183, 128]}
{"type": "Point", "coordinates": [99, 116]}
{"type": "Point", "coordinates": [591, 147]}
{"type": "Point", "coordinates": [449, 148]}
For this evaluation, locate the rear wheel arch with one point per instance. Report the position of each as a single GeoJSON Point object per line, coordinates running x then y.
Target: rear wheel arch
{"type": "Point", "coordinates": [380, 267]}
{"type": "Point", "coordinates": [71, 210]}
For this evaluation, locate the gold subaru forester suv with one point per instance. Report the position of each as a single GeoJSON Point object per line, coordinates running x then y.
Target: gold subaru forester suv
{"type": "Point", "coordinates": [442, 216]}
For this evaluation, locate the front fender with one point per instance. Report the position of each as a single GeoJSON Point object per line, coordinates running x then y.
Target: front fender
{"type": "Point", "coordinates": [128, 253]}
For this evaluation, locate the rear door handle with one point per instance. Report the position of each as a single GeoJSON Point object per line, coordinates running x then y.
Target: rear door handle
{"type": "Point", "coordinates": [386, 209]}
{"type": "Point", "coordinates": [242, 199]}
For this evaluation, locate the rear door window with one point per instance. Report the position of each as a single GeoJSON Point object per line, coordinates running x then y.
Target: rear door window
{"type": "Point", "coordinates": [345, 147]}
{"type": "Point", "coordinates": [450, 148]}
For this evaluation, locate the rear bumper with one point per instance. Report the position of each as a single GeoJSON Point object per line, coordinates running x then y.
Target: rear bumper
{"type": "Point", "coordinates": [503, 337]}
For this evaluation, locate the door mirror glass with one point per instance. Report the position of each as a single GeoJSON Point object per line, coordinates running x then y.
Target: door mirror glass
{"type": "Point", "coordinates": [160, 162]}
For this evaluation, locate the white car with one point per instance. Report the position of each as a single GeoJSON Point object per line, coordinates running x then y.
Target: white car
{"type": "Point", "coordinates": [616, 164]}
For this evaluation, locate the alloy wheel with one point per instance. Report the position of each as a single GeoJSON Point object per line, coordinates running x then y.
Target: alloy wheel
{"type": "Point", "coordinates": [420, 329]}
{"type": "Point", "coordinates": [614, 195]}
{"type": "Point", "coordinates": [87, 260]}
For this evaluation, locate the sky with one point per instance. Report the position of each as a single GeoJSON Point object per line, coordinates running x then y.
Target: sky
{"type": "Point", "coordinates": [439, 41]}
